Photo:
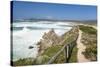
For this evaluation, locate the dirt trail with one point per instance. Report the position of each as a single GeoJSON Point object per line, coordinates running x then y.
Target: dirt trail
{"type": "Point", "coordinates": [81, 48]}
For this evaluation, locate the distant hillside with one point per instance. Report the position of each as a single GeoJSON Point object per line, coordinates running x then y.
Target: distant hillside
{"type": "Point", "coordinates": [55, 20]}
{"type": "Point", "coordinates": [90, 22]}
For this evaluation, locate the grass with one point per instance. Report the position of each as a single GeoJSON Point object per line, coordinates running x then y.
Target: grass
{"type": "Point", "coordinates": [87, 29]}
{"type": "Point", "coordinates": [89, 39]}
{"type": "Point", "coordinates": [22, 62]}
{"type": "Point", "coordinates": [73, 57]}
{"type": "Point", "coordinates": [52, 50]}
{"type": "Point", "coordinates": [43, 59]}
{"type": "Point", "coordinates": [61, 58]}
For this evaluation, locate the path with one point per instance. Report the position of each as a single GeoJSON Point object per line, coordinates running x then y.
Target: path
{"type": "Point", "coordinates": [81, 48]}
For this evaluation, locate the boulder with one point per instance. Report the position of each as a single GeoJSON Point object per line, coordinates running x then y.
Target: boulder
{"type": "Point", "coordinates": [30, 47]}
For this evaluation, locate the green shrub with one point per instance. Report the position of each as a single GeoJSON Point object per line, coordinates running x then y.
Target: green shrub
{"type": "Point", "coordinates": [91, 52]}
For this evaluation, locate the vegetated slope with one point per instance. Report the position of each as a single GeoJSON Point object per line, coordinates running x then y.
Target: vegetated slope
{"type": "Point", "coordinates": [89, 39]}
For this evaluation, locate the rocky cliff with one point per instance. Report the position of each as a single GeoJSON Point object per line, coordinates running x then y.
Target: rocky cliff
{"type": "Point", "coordinates": [49, 39]}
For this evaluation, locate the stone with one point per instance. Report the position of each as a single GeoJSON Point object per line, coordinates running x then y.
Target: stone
{"type": "Point", "coordinates": [30, 47]}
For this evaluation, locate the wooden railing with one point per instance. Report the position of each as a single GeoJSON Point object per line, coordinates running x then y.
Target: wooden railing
{"type": "Point", "coordinates": [67, 48]}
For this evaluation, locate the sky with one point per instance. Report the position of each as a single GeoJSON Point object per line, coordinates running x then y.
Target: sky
{"type": "Point", "coordinates": [27, 10]}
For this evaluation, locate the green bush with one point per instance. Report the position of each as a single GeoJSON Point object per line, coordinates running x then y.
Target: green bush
{"type": "Point", "coordinates": [91, 52]}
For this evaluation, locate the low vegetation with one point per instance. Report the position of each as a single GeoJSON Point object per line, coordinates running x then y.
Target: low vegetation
{"type": "Point", "coordinates": [89, 39]}
{"type": "Point", "coordinates": [73, 57]}
{"type": "Point", "coordinates": [87, 29]}
{"type": "Point", "coordinates": [22, 62]}
{"type": "Point", "coordinates": [52, 51]}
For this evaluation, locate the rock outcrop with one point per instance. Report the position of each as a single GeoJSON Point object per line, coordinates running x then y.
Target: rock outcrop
{"type": "Point", "coordinates": [52, 39]}
{"type": "Point", "coordinates": [49, 39]}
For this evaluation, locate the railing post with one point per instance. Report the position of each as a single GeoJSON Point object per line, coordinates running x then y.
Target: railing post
{"type": "Point", "coordinates": [66, 53]}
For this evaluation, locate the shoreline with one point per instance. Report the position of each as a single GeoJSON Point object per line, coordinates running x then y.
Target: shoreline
{"type": "Point", "coordinates": [43, 33]}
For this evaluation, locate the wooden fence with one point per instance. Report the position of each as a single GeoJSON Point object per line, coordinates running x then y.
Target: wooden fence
{"type": "Point", "coordinates": [67, 48]}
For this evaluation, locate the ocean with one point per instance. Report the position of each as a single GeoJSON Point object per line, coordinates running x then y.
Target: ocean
{"type": "Point", "coordinates": [25, 34]}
